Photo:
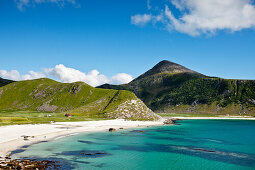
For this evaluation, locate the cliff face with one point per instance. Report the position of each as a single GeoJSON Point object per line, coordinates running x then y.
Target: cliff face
{"type": "Point", "coordinates": [169, 87]}
{"type": "Point", "coordinates": [46, 95]}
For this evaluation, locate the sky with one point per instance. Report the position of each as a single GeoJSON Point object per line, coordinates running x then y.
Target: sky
{"type": "Point", "coordinates": [114, 41]}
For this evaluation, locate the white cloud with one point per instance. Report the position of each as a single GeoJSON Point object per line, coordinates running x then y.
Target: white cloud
{"type": "Point", "coordinates": [209, 16]}
{"type": "Point", "coordinates": [21, 4]}
{"type": "Point", "coordinates": [13, 74]}
{"type": "Point", "coordinates": [122, 78]}
{"type": "Point", "coordinates": [33, 75]}
{"type": "Point", "coordinates": [68, 75]}
{"type": "Point", "coordinates": [141, 20]}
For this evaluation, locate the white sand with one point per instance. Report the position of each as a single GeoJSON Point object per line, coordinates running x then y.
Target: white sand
{"type": "Point", "coordinates": [11, 136]}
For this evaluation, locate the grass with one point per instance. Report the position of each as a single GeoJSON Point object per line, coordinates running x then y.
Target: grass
{"type": "Point", "coordinates": [190, 115]}
{"type": "Point", "coordinates": [30, 117]}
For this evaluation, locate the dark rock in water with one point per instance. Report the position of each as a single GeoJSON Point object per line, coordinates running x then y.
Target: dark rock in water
{"type": "Point", "coordinates": [121, 128]}
{"type": "Point", "coordinates": [85, 153]}
{"type": "Point", "coordinates": [27, 164]}
{"type": "Point", "coordinates": [112, 130]}
{"type": "Point", "coordinates": [169, 121]}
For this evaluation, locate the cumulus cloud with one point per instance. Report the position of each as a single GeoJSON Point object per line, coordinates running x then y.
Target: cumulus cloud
{"type": "Point", "coordinates": [208, 16]}
{"type": "Point", "coordinates": [13, 74]}
{"type": "Point", "coordinates": [122, 78]}
{"type": "Point", "coordinates": [68, 75]}
{"type": "Point", "coordinates": [93, 78]}
{"type": "Point", "coordinates": [21, 4]}
{"type": "Point", "coordinates": [32, 75]}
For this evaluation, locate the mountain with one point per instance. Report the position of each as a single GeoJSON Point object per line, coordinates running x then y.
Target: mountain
{"type": "Point", "coordinates": [46, 95]}
{"type": "Point", "coordinates": [165, 67]}
{"type": "Point", "coordinates": [171, 88]}
{"type": "Point", "coordinates": [4, 82]}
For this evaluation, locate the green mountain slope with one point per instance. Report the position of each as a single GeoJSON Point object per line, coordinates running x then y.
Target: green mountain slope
{"type": "Point", "coordinates": [78, 98]}
{"type": "Point", "coordinates": [169, 87]}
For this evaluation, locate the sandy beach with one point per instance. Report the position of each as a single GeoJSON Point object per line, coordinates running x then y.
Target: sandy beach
{"type": "Point", "coordinates": [12, 137]}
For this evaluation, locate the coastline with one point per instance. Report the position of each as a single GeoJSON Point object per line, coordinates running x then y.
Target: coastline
{"type": "Point", "coordinates": [12, 137]}
{"type": "Point", "coordinates": [214, 118]}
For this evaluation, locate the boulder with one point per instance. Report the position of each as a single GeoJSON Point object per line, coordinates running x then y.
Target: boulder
{"type": "Point", "coordinates": [169, 121]}
{"type": "Point", "coordinates": [112, 130]}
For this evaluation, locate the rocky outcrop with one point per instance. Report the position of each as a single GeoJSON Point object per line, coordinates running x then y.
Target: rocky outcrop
{"type": "Point", "coordinates": [27, 164]}
{"type": "Point", "coordinates": [169, 121]}
{"type": "Point", "coordinates": [47, 108]}
{"type": "Point", "coordinates": [133, 110]}
{"type": "Point", "coordinates": [112, 130]}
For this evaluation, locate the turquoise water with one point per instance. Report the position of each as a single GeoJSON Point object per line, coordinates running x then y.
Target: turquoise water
{"type": "Point", "coordinates": [194, 144]}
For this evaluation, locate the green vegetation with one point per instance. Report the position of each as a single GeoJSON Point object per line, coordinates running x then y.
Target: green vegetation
{"type": "Point", "coordinates": [171, 88]}
{"type": "Point", "coordinates": [166, 115]}
{"type": "Point", "coordinates": [189, 115]}
{"type": "Point", "coordinates": [8, 117]}
{"type": "Point", "coordinates": [82, 101]}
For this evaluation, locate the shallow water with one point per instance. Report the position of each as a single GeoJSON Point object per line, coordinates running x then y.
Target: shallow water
{"type": "Point", "coordinates": [194, 144]}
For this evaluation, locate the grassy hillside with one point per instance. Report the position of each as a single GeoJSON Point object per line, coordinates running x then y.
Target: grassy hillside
{"type": "Point", "coordinates": [79, 99]}
{"type": "Point", "coordinates": [191, 92]}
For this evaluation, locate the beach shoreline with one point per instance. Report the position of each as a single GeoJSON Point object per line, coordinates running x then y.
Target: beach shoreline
{"type": "Point", "coordinates": [214, 118]}
{"type": "Point", "coordinates": [13, 137]}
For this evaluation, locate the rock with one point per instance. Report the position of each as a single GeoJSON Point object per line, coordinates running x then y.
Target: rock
{"type": "Point", "coordinates": [121, 128]}
{"type": "Point", "coordinates": [112, 130]}
{"type": "Point", "coordinates": [169, 121]}
{"type": "Point", "coordinates": [27, 164]}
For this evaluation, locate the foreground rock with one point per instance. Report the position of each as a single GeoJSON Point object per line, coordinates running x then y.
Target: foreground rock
{"type": "Point", "coordinates": [112, 130]}
{"type": "Point", "coordinates": [27, 164]}
{"type": "Point", "coordinates": [169, 121]}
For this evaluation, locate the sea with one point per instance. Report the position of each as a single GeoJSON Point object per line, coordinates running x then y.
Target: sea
{"type": "Point", "coordinates": [191, 144]}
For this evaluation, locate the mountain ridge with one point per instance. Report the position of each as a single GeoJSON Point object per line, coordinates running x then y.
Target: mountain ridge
{"type": "Point", "coordinates": [187, 91]}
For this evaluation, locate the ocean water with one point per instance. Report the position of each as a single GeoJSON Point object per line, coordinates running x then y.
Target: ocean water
{"type": "Point", "coordinates": [193, 144]}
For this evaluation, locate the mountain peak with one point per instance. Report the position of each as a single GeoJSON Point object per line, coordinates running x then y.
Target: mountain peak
{"type": "Point", "coordinates": [166, 66]}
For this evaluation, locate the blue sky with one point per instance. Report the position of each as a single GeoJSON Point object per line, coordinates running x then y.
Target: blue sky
{"type": "Point", "coordinates": [126, 36]}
